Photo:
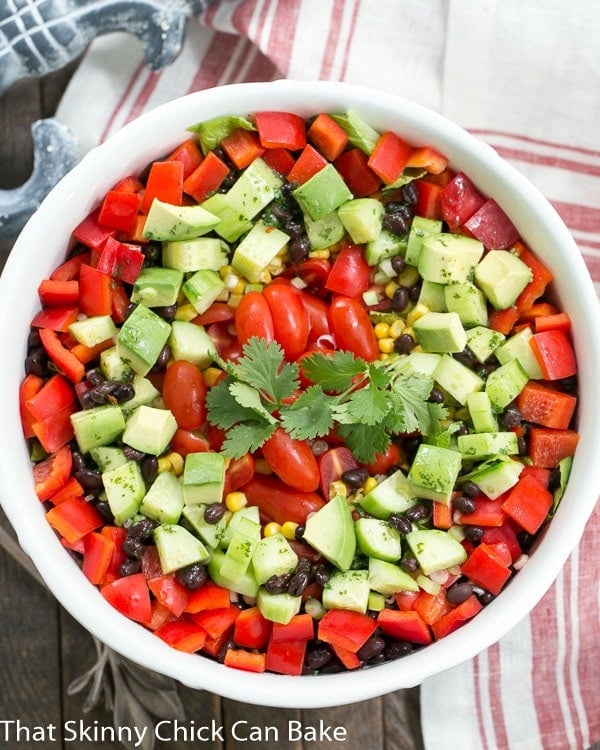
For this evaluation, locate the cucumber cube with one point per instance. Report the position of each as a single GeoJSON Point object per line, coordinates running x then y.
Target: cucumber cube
{"type": "Point", "coordinates": [433, 472]}
{"type": "Point", "coordinates": [483, 342]}
{"type": "Point", "coordinates": [145, 392]}
{"type": "Point", "coordinates": [391, 495]}
{"type": "Point", "coordinates": [101, 425]}
{"type": "Point", "coordinates": [504, 384]}
{"type": "Point", "coordinates": [518, 346]}
{"type": "Point", "coordinates": [257, 249]}
{"type": "Point", "coordinates": [457, 379]}
{"type": "Point", "coordinates": [231, 226]}
{"type": "Point", "coordinates": [125, 488]}
{"type": "Point", "coordinates": [476, 446]}
{"type": "Point", "coordinates": [324, 232]}
{"type": "Point", "coordinates": [164, 500]}
{"type": "Point", "coordinates": [388, 578]}
{"type": "Point", "coordinates": [244, 584]}
{"type": "Point", "coordinates": [114, 367]}
{"type": "Point", "coordinates": [191, 342]}
{"type": "Point", "coordinates": [203, 288]}
{"type": "Point", "coordinates": [435, 549]}
{"type": "Point", "coordinates": [94, 330]}
{"type": "Point", "coordinates": [377, 538]}
{"type": "Point", "coordinates": [273, 556]}
{"type": "Point", "coordinates": [419, 229]}
{"type": "Point", "coordinates": [278, 607]}
{"type": "Point", "coordinates": [241, 548]}
{"type": "Point", "coordinates": [496, 475]}
{"type": "Point", "coordinates": [195, 255]}
{"type": "Point", "coordinates": [149, 429]}
{"type": "Point", "coordinates": [347, 589]}
{"type": "Point", "coordinates": [177, 548]}
{"type": "Point", "coordinates": [203, 478]}
{"type": "Point", "coordinates": [385, 245]}
{"type": "Point", "coordinates": [210, 533]}
{"type": "Point", "coordinates": [481, 412]}
{"type": "Point", "coordinates": [107, 457]}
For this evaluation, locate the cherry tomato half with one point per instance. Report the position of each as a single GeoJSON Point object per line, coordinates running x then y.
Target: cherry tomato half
{"type": "Point", "coordinates": [279, 502]}
{"type": "Point", "coordinates": [352, 329]}
{"type": "Point", "coordinates": [188, 441]}
{"type": "Point", "coordinates": [350, 273]}
{"type": "Point", "coordinates": [292, 460]}
{"type": "Point", "coordinates": [253, 317]}
{"type": "Point", "coordinates": [184, 393]}
{"type": "Point", "coordinates": [290, 318]}
{"type": "Point", "coordinates": [384, 461]}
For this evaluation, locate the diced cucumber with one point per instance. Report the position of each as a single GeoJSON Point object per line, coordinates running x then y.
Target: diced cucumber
{"type": "Point", "coordinates": [273, 556]}
{"type": "Point", "coordinates": [203, 288]}
{"type": "Point", "coordinates": [481, 413]}
{"type": "Point", "coordinates": [518, 346]}
{"type": "Point", "coordinates": [475, 446]}
{"type": "Point", "coordinates": [391, 495]}
{"type": "Point", "coordinates": [145, 393]}
{"type": "Point", "coordinates": [203, 478]}
{"type": "Point", "coordinates": [241, 548]}
{"type": "Point", "coordinates": [347, 589]}
{"type": "Point", "coordinates": [101, 425]}
{"type": "Point", "coordinates": [278, 607]}
{"type": "Point", "coordinates": [457, 379]}
{"type": "Point", "coordinates": [250, 512]}
{"type": "Point", "coordinates": [177, 548]}
{"type": "Point", "coordinates": [504, 384]}
{"type": "Point", "coordinates": [495, 476]}
{"type": "Point", "coordinates": [124, 487]}
{"type": "Point", "coordinates": [257, 249]}
{"type": "Point", "coordinates": [210, 533]}
{"type": "Point", "coordinates": [244, 584]}
{"type": "Point", "coordinates": [108, 457]}
{"type": "Point", "coordinates": [157, 287]}
{"type": "Point", "coordinates": [385, 245]}
{"type": "Point", "coordinates": [362, 219]}
{"type": "Point", "coordinates": [142, 338]}
{"type": "Point", "coordinates": [483, 342]}
{"type": "Point", "coordinates": [191, 342]}
{"type": "Point", "coordinates": [435, 549]}
{"type": "Point", "coordinates": [195, 255]}
{"type": "Point", "coordinates": [377, 538]}
{"type": "Point", "coordinates": [433, 472]}
{"type": "Point", "coordinates": [324, 232]}
{"type": "Point", "coordinates": [420, 228]}
{"type": "Point", "coordinates": [114, 367]}
{"type": "Point", "coordinates": [94, 330]}
{"type": "Point", "coordinates": [164, 500]}
{"type": "Point", "coordinates": [231, 226]}
{"type": "Point", "coordinates": [388, 578]}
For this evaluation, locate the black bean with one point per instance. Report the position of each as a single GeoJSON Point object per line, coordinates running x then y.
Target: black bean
{"type": "Point", "coordinates": [223, 651]}
{"type": "Point", "coordinates": [133, 454]}
{"type": "Point", "coordinates": [299, 532]}
{"type": "Point", "coordinates": [396, 223]}
{"type": "Point", "coordinates": [459, 592]}
{"type": "Point", "coordinates": [397, 649]}
{"type": "Point", "coordinates": [400, 523]}
{"type": "Point", "coordinates": [122, 392]}
{"type": "Point", "coordinates": [403, 343]}
{"type": "Point", "coordinates": [129, 567]}
{"type": "Point", "coordinates": [294, 229]}
{"type": "Point", "coordinates": [86, 401]}
{"type": "Point", "coordinates": [214, 512]}
{"type": "Point", "coordinates": [462, 430]}
{"type": "Point", "coordinates": [400, 299]}
{"type": "Point", "coordinates": [554, 481]}
{"type": "Point", "coordinates": [142, 530]}
{"type": "Point", "coordinates": [355, 478]}
{"type": "Point", "coordinates": [409, 564]}
{"type": "Point", "coordinates": [322, 574]}
{"type": "Point", "coordinates": [470, 489]}
{"type": "Point", "coordinates": [298, 582]}
{"type": "Point", "coordinates": [372, 647]}
{"type": "Point", "coordinates": [417, 512]}
{"type": "Point", "coordinates": [89, 479]}
{"type": "Point", "coordinates": [318, 656]}
{"type": "Point", "coordinates": [473, 533]}
{"type": "Point", "coordinates": [34, 338]}
{"type": "Point", "coordinates": [278, 584]}
{"type": "Point", "coordinates": [399, 207]}
{"type": "Point", "coordinates": [166, 312]}
{"type": "Point", "coordinates": [98, 393]}
{"type": "Point", "coordinates": [299, 249]}
{"type": "Point", "coordinates": [464, 504]}
{"type": "Point", "coordinates": [104, 510]}
{"type": "Point", "coordinates": [95, 376]}
{"type": "Point", "coordinates": [78, 461]}
{"type": "Point", "coordinates": [149, 466]}
{"type": "Point", "coordinates": [410, 193]}
{"type": "Point", "coordinates": [129, 309]}
{"type": "Point", "coordinates": [465, 357]}
{"type": "Point", "coordinates": [193, 576]}
{"type": "Point", "coordinates": [522, 443]}
{"type": "Point", "coordinates": [152, 253]}
{"type": "Point", "coordinates": [414, 293]}
{"type": "Point", "coordinates": [36, 362]}
{"type": "Point", "coordinates": [398, 264]}
{"type": "Point", "coordinates": [436, 396]}
{"type": "Point", "coordinates": [512, 417]}
{"type": "Point", "coordinates": [133, 548]}
{"type": "Point", "coordinates": [163, 358]}
{"type": "Point", "coordinates": [486, 597]}
{"type": "Point", "coordinates": [304, 565]}
{"type": "Point", "coordinates": [282, 213]}
{"type": "Point", "coordinates": [332, 667]}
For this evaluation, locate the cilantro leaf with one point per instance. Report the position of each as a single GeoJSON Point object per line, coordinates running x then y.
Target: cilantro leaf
{"type": "Point", "coordinates": [249, 398]}
{"type": "Point", "coordinates": [365, 441]}
{"type": "Point", "coordinates": [223, 409]}
{"type": "Point", "coordinates": [310, 415]}
{"type": "Point", "coordinates": [262, 366]}
{"type": "Point", "coordinates": [368, 405]}
{"type": "Point", "coordinates": [247, 437]}
{"type": "Point", "coordinates": [333, 372]}
{"type": "Point", "coordinates": [409, 406]}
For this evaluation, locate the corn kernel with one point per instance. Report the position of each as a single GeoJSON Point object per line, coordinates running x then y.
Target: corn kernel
{"type": "Point", "coordinates": [324, 253]}
{"type": "Point", "coordinates": [408, 330]}
{"type": "Point", "coordinates": [271, 528]}
{"type": "Point", "coordinates": [185, 312]}
{"type": "Point", "coordinates": [386, 346]}
{"type": "Point", "coordinates": [239, 288]}
{"type": "Point", "coordinates": [164, 464]}
{"type": "Point", "coordinates": [212, 375]}
{"type": "Point", "coordinates": [265, 277]}
{"type": "Point", "coordinates": [337, 488]}
{"type": "Point", "coordinates": [235, 501]}
{"type": "Point", "coordinates": [383, 356]}
{"type": "Point", "coordinates": [417, 312]}
{"type": "Point", "coordinates": [177, 462]}
{"type": "Point", "coordinates": [369, 484]}
{"type": "Point", "coordinates": [382, 330]}
{"type": "Point", "coordinates": [288, 529]}
{"type": "Point", "coordinates": [225, 271]}
{"type": "Point", "coordinates": [390, 289]}
{"type": "Point", "coordinates": [397, 327]}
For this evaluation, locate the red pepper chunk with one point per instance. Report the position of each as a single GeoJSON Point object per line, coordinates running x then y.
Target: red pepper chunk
{"type": "Point", "coordinates": [98, 551]}
{"type": "Point", "coordinates": [165, 183]}
{"type": "Point", "coordinates": [491, 226]}
{"type": "Point", "coordinates": [356, 173]}
{"type": "Point", "coordinates": [346, 628]}
{"type": "Point", "coordinates": [528, 503]}
{"type": "Point", "coordinates": [251, 629]}
{"type": "Point", "coordinates": [459, 201]}
{"type": "Point", "coordinates": [119, 210]}
{"type": "Point", "coordinates": [308, 164]}
{"type": "Point", "coordinates": [456, 617]}
{"type": "Point", "coordinates": [327, 136]}
{"type": "Point", "coordinates": [554, 353]}
{"type": "Point", "coordinates": [281, 130]}
{"type": "Point", "coordinates": [389, 157]}
{"type": "Point", "coordinates": [182, 635]}
{"type": "Point", "coordinates": [73, 519]}
{"type": "Point", "coordinates": [130, 595]}
{"type": "Point", "coordinates": [248, 661]}
{"type": "Point", "coordinates": [65, 361]}
{"type": "Point", "coordinates": [51, 474]}
{"type": "Point", "coordinates": [120, 260]}
{"type": "Point", "coordinates": [170, 592]}
{"type": "Point", "coordinates": [285, 657]}
{"type": "Point", "coordinates": [406, 625]}
{"type": "Point", "coordinates": [486, 568]}
{"type": "Point", "coordinates": [206, 178]}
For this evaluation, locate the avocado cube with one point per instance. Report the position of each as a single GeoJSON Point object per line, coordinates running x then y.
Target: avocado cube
{"type": "Point", "coordinates": [101, 425]}
{"type": "Point", "coordinates": [257, 249]}
{"type": "Point", "coordinates": [322, 193]}
{"type": "Point", "coordinates": [149, 429]}
{"type": "Point", "coordinates": [360, 134]}
{"type": "Point", "coordinates": [392, 495]}
{"type": "Point", "coordinates": [502, 276]}
{"type": "Point", "coordinates": [145, 392]}
{"type": "Point", "coordinates": [447, 258]}
{"type": "Point", "coordinates": [164, 500]}
{"type": "Point", "coordinates": [456, 379]}
{"type": "Point", "coordinates": [177, 548]}
{"type": "Point", "coordinates": [125, 488]}
{"type": "Point", "coordinates": [468, 302]}
{"type": "Point", "coordinates": [331, 532]}
{"type": "Point", "coordinates": [496, 475]}
{"type": "Point", "coordinates": [504, 384]}
{"type": "Point", "coordinates": [362, 219]}
{"type": "Point", "coordinates": [483, 342]}
{"type": "Point", "coordinates": [475, 446]}
{"type": "Point", "coordinates": [114, 367]}
{"type": "Point", "coordinates": [167, 222]}
{"type": "Point", "coordinates": [231, 225]}
{"type": "Point", "coordinates": [440, 332]}
{"type": "Point", "coordinates": [254, 189]}
{"type": "Point", "coordinates": [203, 478]}
{"type": "Point", "coordinates": [433, 472]}
{"type": "Point", "coordinates": [420, 228]}
{"type": "Point", "coordinates": [518, 346]}
{"type": "Point", "coordinates": [203, 288]}
{"type": "Point", "coordinates": [433, 296]}
{"type": "Point", "coordinates": [347, 589]}
{"type": "Point", "coordinates": [142, 338]}
{"type": "Point", "coordinates": [324, 232]}
{"type": "Point", "coordinates": [419, 363]}
{"type": "Point", "coordinates": [273, 556]}
{"type": "Point", "coordinates": [435, 549]}
{"type": "Point", "coordinates": [388, 578]}
{"type": "Point", "coordinates": [157, 287]}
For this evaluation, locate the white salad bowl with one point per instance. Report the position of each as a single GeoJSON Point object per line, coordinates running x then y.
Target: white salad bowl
{"type": "Point", "coordinates": [42, 246]}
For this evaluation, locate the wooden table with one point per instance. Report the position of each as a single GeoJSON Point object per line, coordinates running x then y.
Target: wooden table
{"type": "Point", "coordinates": [42, 649]}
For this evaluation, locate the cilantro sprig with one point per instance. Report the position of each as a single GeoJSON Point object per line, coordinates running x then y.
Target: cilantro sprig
{"type": "Point", "coordinates": [366, 402]}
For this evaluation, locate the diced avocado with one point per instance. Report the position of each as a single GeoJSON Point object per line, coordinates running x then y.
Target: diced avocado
{"type": "Point", "coordinates": [433, 472]}
{"type": "Point", "coordinates": [177, 548]}
{"type": "Point", "coordinates": [449, 258]}
{"type": "Point", "coordinates": [387, 578]}
{"type": "Point", "coordinates": [164, 500]}
{"type": "Point", "coordinates": [210, 533]}
{"type": "Point", "coordinates": [518, 346]}
{"type": "Point", "coordinates": [433, 296]}
{"type": "Point", "coordinates": [191, 342]}
{"type": "Point", "coordinates": [231, 226]}
{"type": "Point", "coordinates": [157, 287]}
{"type": "Point", "coordinates": [419, 363]}
{"type": "Point", "coordinates": [278, 607]}
{"type": "Point", "coordinates": [253, 190]}
{"type": "Point", "coordinates": [166, 222]}
{"type": "Point", "coordinates": [385, 245]}
{"type": "Point", "coordinates": [496, 475]}
{"type": "Point", "coordinates": [203, 288]}
{"type": "Point", "coordinates": [94, 330]}
{"type": "Point", "coordinates": [475, 446]}
{"type": "Point", "coordinates": [149, 429]}
{"type": "Point", "coordinates": [502, 276]}
{"type": "Point", "coordinates": [468, 301]}
{"type": "Point", "coordinates": [564, 471]}
{"type": "Point", "coordinates": [324, 232]}
{"type": "Point", "coordinates": [257, 249]}
{"type": "Point", "coordinates": [250, 512]}
{"type": "Point", "coordinates": [331, 532]}
{"type": "Point", "coordinates": [440, 332]}
{"type": "Point", "coordinates": [244, 584]}
{"type": "Point", "coordinates": [241, 548]}
{"type": "Point", "coordinates": [124, 487]}
{"type": "Point", "coordinates": [435, 549]}
{"type": "Point", "coordinates": [362, 219]}
{"type": "Point", "coordinates": [360, 134]}
{"type": "Point", "coordinates": [377, 538]}
{"type": "Point", "coordinates": [203, 478]}
{"type": "Point", "coordinates": [101, 425]}
{"type": "Point", "coordinates": [273, 556]}
{"type": "Point", "coordinates": [114, 367]}
{"type": "Point", "coordinates": [142, 338]}
{"type": "Point", "coordinates": [457, 379]}
{"type": "Point", "coordinates": [145, 392]}
{"type": "Point", "coordinates": [420, 228]}
{"type": "Point", "coordinates": [195, 255]}
{"type": "Point", "coordinates": [107, 457]}
{"type": "Point", "coordinates": [483, 342]}
{"type": "Point", "coordinates": [322, 193]}
{"type": "Point", "coordinates": [392, 495]}
{"type": "Point", "coordinates": [504, 384]}
{"type": "Point", "coordinates": [347, 589]}
{"type": "Point", "coordinates": [481, 412]}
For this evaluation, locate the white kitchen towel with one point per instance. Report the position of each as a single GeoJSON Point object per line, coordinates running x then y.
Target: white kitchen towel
{"type": "Point", "coordinates": [525, 78]}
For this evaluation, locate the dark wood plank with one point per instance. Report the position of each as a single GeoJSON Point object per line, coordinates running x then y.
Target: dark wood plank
{"type": "Point", "coordinates": [358, 726]}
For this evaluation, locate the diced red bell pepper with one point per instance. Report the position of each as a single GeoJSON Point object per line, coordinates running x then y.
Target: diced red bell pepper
{"type": "Point", "coordinates": [286, 657]}
{"type": "Point", "coordinates": [65, 361]}
{"type": "Point", "coordinates": [540, 474]}
{"type": "Point", "coordinates": [118, 535]}
{"type": "Point", "coordinates": [69, 270]}
{"type": "Point", "coordinates": [281, 130]}
{"type": "Point", "coordinates": [50, 474]}
{"type": "Point", "coordinates": [130, 596]}
{"type": "Point", "coordinates": [207, 178]}
{"type": "Point", "coordinates": [129, 184]}
{"type": "Point", "coordinates": [119, 211]}
{"type": "Point", "coordinates": [348, 659]}
{"type": "Point", "coordinates": [307, 164]}
{"type": "Point", "coordinates": [491, 226]}
{"type": "Point", "coordinates": [327, 136]}
{"type": "Point", "coordinates": [165, 182]}
{"type": "Point", "coordinates": [182, 635]}
{"type": "Point", "coordinates": [406, 599]}
{"type": "Point", "coordinates": [503, 321]}
{"type": "Point", "coordinates": [119, 302]}
{"type": "Point", "coordinates": [300, 628]}
{"type": "Point", "coordinates": [98, 551]}
{"type": "Point", "coordinates": [242, 147]}
{"type": "Point", "coordinates": [74, 518]}
{"type": "Point", "coordinates": [56, 318]}
{"type": "Point", "coordinates": [160, 615]}
{"type": "Point", "coordinates": [251, 629]}
{"type": "Point", "coordinates": [486, 568]}
{"type": "Point", "coordinates": [356, 173]}
{"type": "Point", "coordinates": [404, 625]}
{"type": "Point", "coordinates": [428, 203]}
{"type": "Point", "coordinates": [168, 590]}
{"type": "Point", "coordinates": [528, 503]}
{"type": "Point", "coordinates": [55, 394]}
{"type": "Point", "coordinates": [90, 233]}
{"type": "Point", "coordinates": [389, 157]}
{"type": "Point", "coordinates": [425, 157]}
{"type": "Point", "coordinates": [249, 661]}
{"type": "Point", "coordinates": [487, 513]}
{"type": "Point", "coordinates": [87, 354]}
{"type": "Point", "coordinates": [208, 596]}
{"type": "Point", "coordinates": [55, 430]}
{"type": "Point", "coordinates": [557, 320]}
{"type": "Point", "coordinates": [547, 446]}
{"type": "Point", "coordinates": [350, 273]}
{"type": "Point", "coordinates": [456, 617]}
{"type": "Point", "coordinates": [216, 621]}
{"type": "Point", "coordinates": [546, 406]}
{"type": "Point", "coordinates": [71, 488]}
{"type": "Point", "coordinates": [151, 566]}
{"type": "Point", "coordinates": [431, 606]}
{"type": "Point", "coordinates": [120, 260]}
{"type": "Point", "coordinates": [346, 628]}
{"type": "Point", "coordinates": [542, 276]}
{"type": "Point", "coordinates": [459, 200]}
{"type": "Point", "coordinates": [279, 159]}
{"type": "Point", "coordinates": [30, 385]}
{"type": "Point", "coordinates": [215, 647]}
{"type": "Point", "coordinates": [95, 289]}
{"type": "Point", "coordinates": [54, 293]}
{"type": "Point", "coordinates": [238, 472]}
{"type": "Point", "coordinates": [189, 154]}
{"type": "Point", "coordinates": [442, 515]}
{"type": "Point", "coordinates": [554, 353]}
{"type": "Point", "coordinates": [505, 534]}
